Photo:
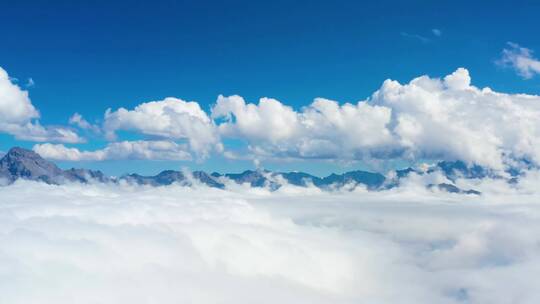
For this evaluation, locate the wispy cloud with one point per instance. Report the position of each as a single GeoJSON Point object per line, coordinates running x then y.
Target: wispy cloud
{"type": "Point", "coordinates": [424, 39]}
{"type": "Point", "coordinates": [141, 149]}
{"type": "Point", "coordinates": [521, 59]}
{"type": "Point", "coordinates": [415, 37]}
{"type": "Point", "coordinates": [30, 83]}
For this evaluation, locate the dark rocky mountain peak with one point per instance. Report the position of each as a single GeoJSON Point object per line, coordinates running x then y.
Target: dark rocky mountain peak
{"type": "Point", "coordinates": [452, 189]}
{"type": "Point", "coordinates": [20, 163]}
{"type": "Point", "coordinates": [456, 169]}
{"type": "Point", "coordinates": [371, 180]}
{"type": "Point", "coordinates": [27, 164]}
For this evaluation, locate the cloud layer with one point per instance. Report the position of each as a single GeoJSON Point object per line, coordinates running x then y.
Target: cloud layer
{"type": "Point", "coordinates": [123, 244]}
{"type": "Point", "coordinates": [428, 118]}
{"type": "Point", "coordinates": [145, 150]}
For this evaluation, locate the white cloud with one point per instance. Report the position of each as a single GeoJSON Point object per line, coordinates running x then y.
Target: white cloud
{"type": "Point", "coordinates": [79, 121]}
{"type": "Point", "coordinates": [150, 150]}
{"type": "Point", "coordinates": [34, 131]}
{"type": "Point", "coordinates": [520, 59]}
{"type": "Point", "coordinates": [324, 129]}
{"type": "Point", "coordinates": [426, 118]}
{"type": "Point", "coordinates": [451, 119]}
{"type": "Point", "coordinates": [170, 118]}
{"type": "Point", "coordinates": [125, 244]}
{"type": "Point", "coordinates": [18, 116]}
{"type": "Point", "coordinates": [436, 32]}
{"type": "Point", "coordinates": [15, 105]}
{"type": "Point", "coordinates": [269, 120]}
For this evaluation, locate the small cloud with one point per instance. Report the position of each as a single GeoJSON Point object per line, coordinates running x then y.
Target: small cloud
{"type": "Point", "coordinates": [79, 121]}
{"type": "Point", "coordinates": [521, 59]}
{"type": "Point", "coordinates": [415, 37]}
{"type": "Point", "coordinates": [436, 32]}
{"type": "Point", "coordinates": [257, 163]}
{"type": "Point", "coordinates": [30, 83]}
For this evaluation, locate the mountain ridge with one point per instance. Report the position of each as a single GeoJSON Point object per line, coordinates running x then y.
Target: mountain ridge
{"type": "Point", "coordinates": [20, 163]}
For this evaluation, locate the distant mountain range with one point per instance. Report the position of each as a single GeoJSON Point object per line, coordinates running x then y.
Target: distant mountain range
{"type": "Point", "coordinates": [21, 163]}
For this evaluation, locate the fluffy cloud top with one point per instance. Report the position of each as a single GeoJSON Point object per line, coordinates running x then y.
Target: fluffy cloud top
{"type": "Point", "coordinates": [427, 118]}
{"type": "Point", "coordinates": [520, 59]}
{"type": "Point", "coordinates": [170, 118]}
{"type": "Point", "coordinates": [270, 120]}
{"type": "Point", "coordinates": [123, 244]}
{"type": "Point", "coordinates": [154, 150]}
{"type": "Point", "coordinates": [322, 130]}
{"type": "Point", "coordinates": [17, 114]}
{"type": "Point", "coordinates": [450, 119]}
{"type": "Point", "coordinates": [15, 105]}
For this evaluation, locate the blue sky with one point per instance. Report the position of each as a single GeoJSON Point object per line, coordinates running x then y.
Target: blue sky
{"type": "Point", "coordinates": [89, 56]}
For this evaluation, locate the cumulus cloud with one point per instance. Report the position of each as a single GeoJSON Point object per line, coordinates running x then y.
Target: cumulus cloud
{"type": "Point", "coordinates": [270, 120]}
{"type": "Point", "coordinates": [426, 118]}
{"type": "Point", "coordinates": [521, 59]}
{"type": "Point", "coordinates": [15, 105]}
{"type": "Point", "coordinates": [324, 129]}
{"type": "Point", "coordinates": [170, 118]}
{"type": "Point", "coordinates": [451, 119]}
{"type": "Point", "coordinates": [125, 244]}
{"type": "Point", "coordinates": [149, 150]}
{"type": "Point", "coordinates": [18, 116]}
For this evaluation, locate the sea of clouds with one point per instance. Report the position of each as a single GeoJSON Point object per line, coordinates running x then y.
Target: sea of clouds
{"type": "Point", "coordinates": [132, 244]}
